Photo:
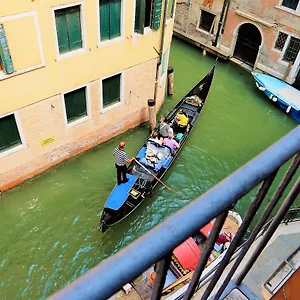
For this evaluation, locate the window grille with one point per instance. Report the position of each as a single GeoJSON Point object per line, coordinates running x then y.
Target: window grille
{"type": "Point", "coordinates": [280, 42]}
{"type": "Point", "coordinates": [292, 50]}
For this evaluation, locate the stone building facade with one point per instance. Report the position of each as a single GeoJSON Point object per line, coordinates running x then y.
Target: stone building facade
{"type": "Point", "coordinates": [74, 74]}
{"type": "Point", "coordinates": [263, 34]}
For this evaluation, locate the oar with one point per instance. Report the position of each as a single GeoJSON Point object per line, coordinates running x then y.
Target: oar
{"type": "Point", "coordinates": [153, 175]}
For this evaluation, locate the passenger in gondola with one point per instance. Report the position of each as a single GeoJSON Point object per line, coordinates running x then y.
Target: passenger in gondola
{"type": "Point", "coordinates": [181, 121]}
{"type": "Point", "coordinates": [171, 143]}
{"type": "Point", "coordinates": [154, 138]}
{"type": "Point", "coordinates": [165, 128]}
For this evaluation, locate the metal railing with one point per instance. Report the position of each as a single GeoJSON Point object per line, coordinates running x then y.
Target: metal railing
{"type": "Point", "coordinates": [157, 245]}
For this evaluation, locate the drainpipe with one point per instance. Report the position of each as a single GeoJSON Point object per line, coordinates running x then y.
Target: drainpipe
{"type": "Point", "coordinates": [160, 51]}
{"type": "Point", "coordinates": [226, 14]}
{"type": "Point", "coordinates": [221, 22]}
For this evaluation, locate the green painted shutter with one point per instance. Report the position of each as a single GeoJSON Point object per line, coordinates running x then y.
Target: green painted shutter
{"type": "Point", "coordinates": [70, 106]}
{"type": "Point", "coordinates": [80, 103]}
{"type": "Point", "coordinates": [140, 10]}
{"type": "Point", "coordinates": [115, 18]}
{"type": "Point", "coordinates": [104, 20]}
{"type": "Point", "coordinates": [111, 90]}
{"type": "Point", "coordinates": [9, 134]}
{"type": "Point", "coordinates": [106, 92]}
{"type": "Point", "coordinates": [156, 14]}
{"type": "Point", "coordinates": [62, 31]}
{"type": "Point", "coordinates": [74, 28]}
{"type": "Point", "coordinates": [163, 63]}
{"type": "Point", "coordinates": [5, 57]}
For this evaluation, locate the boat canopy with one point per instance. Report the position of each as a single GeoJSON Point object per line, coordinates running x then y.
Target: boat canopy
{"type": "Point", "coordinates": [188, 254]}
{"type": "Point", "coordinates": [120, 193]}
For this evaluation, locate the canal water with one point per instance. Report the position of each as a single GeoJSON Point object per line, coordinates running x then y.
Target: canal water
{"type": "Point", "coordinates": [49, 226]}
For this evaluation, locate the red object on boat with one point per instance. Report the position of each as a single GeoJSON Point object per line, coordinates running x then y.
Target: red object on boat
{"type": "Point", "coordinates": [188, 254]}
{"type": "Point", "coordinates": [206, 229]}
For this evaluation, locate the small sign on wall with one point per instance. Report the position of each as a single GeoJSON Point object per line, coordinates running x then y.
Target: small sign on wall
{"type": "Point", "coordinates": [47, 141]}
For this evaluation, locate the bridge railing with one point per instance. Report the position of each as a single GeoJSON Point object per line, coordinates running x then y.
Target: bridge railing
{"type": "Point", "coordinates": [157, 245]}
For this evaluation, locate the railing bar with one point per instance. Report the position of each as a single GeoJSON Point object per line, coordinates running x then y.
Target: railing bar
{"type": "Point", "coordinates": [282, 186]}
{"type": "Point", "coordinates": [160, 279]}
{"type": "Point", "coordinates": [270, 231]}
{"type": "Point", "coordinates": [205, 255]}
{"type": "Point", "coordinates": [259, 197]}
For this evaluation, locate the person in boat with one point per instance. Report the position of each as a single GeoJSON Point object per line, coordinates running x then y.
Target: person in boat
{"type": "Point", "coordinates": [154, 138]}
{"type": "Point", "coordinates": [171, 143]}
{"type": "Point", "coordinates": [165, 128]}
{"type": "Point", "coordinates": [181, 121]}
{"type": "Point", "coordinates": [121, 159]}
{"type": "Point", "coordinates": [152, 276]}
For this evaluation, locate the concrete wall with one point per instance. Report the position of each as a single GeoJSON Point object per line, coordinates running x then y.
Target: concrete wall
{"type": "Point", "coordinates": [34, 91]}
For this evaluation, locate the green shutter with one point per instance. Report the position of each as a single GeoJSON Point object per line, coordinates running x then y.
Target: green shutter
{"type": "Point", "coordinates": [111, 90]}
{"type": "Point", "coordinates": [140, 10]}
{"type": "Point", "coordinates": [74, 28]}
{"type": "Point", "coordinates": [9, 134]}
{"type": "Point", "coordinates": [62, 31]}
{"type": "Point", "coordinates": [115, 18]}
{"type": "Point", "coordinates": [156, 14]}
{"type": "Point", "coordinates": [104, 19]}
{"type": "Point", "coordinates": [75, 103]}
{"type": "Point", "coordinates": [163, 63]}
{"type": "Point", "coordinates": [170, 10]}
{"type": "Point", "coordinates": [5, 57]}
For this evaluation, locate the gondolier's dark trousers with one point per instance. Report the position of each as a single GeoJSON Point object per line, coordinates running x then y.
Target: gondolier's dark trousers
{"type": "Point", "coordinates": [121, 171]}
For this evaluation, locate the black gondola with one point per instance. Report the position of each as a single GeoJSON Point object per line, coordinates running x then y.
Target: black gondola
{"type": "Point", "coordinates": [125, 198]}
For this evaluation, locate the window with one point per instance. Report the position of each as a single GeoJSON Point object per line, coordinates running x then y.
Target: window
{"type": "Point", "coordinates": [6, 63]}
{"type": "Point", "coordinates": [75, 103]}
{"type": "Point", "coordinates": [110, 19]}
{"type": "Point", "coordinates": [9, 133]}
{"type": "Point", "coordinates": [280, 42]}
{"type": "Point", "coordinates": [147, 14]}
{"type": "Point", "coordinates": [292, 4]}
{"type": "Point", "coordinates": [292, 50]}
{"type": "Point", "coordinates": [68, 28]}
{"type": "Point", "coordinates": [206, 21]}
{"type": "Point", "coordinates": [111, 90]}
{"type": "Point", "coordinates": [170, 9]}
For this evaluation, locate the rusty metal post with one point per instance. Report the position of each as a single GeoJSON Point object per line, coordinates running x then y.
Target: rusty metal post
{"type": "Point", "coordinates": [152, 113]}
{"type": "Point", "coordinates": [170, 80]}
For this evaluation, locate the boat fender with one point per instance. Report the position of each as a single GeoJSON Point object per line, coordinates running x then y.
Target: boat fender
{"type": "Point", "coordinates": [257, 85]}
{"type": "Point", "coordinates": [274, 99]}
{"type": "Point", "coordinates": [261, 88]}
{"type": "Point", "coordinates": [271, 96]}
{"type": "Point", "coordinates": [288, 109]}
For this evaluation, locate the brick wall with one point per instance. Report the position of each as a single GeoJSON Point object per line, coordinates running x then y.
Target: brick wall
{"type": "Point", "coordinates": [46, 119]}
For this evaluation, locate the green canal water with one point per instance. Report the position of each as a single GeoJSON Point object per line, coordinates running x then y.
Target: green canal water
{"type": "Point", "coordinates": [49, 226]}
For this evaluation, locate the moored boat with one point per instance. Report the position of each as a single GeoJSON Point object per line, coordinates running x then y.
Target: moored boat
{"type": "Point", "coordinates": [125, 198]}
{"type": "Point", "coordinates": [185, 258]}
{"type": "Point", "coordinates": [282, 94]}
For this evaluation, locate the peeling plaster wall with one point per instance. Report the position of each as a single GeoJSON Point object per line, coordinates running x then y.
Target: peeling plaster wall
{"type": "Point", "coordinates": [258, 13]}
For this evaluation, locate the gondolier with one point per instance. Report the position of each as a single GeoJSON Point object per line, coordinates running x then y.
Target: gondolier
{"type": "Point", "coordinates": [121, 159]}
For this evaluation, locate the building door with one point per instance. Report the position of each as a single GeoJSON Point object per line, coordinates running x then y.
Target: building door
{"type": "Point", "coordinates": [297, 81]}
{"type": "Point", "coordinates": [247, 44]}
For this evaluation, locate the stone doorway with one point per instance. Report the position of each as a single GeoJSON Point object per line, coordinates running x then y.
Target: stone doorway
{"type": "Point", "coordinates": [247, 44]}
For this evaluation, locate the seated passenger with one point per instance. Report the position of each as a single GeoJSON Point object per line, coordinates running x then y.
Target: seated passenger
{"type": "Point", "coordinates": [165, 128]}
{"type": "Point", "coordinates": [171, 143]}
{"type": "Point", "coordinates": [181, 121]}
{"type": "Point", "coordinates": [154, 138]}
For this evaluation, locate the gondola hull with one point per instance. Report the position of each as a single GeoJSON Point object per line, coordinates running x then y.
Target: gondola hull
{"type": "Point", "coordinates": [125, 198]}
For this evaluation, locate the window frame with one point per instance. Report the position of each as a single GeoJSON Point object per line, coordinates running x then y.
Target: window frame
{"type": "Point", "coordinates": [17, 148]}
{"type": "Point", "coordinates": [287, 42]}
{"type": "Point", "coordinates": [117, 39]}
{"type": "Point", "coordinates": [213, 23]}
{"type": "Point", "coordinates": [172, 11]}
{"type": "Point", "coordinates": [277, 35]}
{"type": "Point", "coordinates": [115, 105]}
{"type": "Point", "coordinates": [297, 10]}
{"type": "Point", "coordinates": [83, 30]}
{"type": "Point", "coordinates": [88, 106]}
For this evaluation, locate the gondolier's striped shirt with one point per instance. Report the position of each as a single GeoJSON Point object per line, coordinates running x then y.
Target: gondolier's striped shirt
{"type": "Point", "coordinates": [120, 157]}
